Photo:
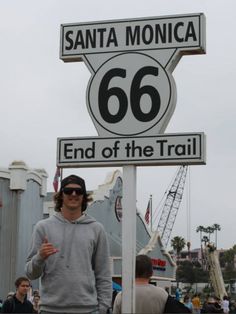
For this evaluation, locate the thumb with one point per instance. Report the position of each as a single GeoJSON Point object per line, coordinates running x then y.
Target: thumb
{"type": "Point", "coordinates": [45, 240]}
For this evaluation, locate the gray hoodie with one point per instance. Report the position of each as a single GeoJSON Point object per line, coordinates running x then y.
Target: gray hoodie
{"type": "Point", "coordinates": [76, 279]}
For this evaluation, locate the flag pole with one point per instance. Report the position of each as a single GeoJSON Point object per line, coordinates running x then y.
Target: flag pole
{"type": "Point", "coordinates": [61, 175]}
{"type": "Point", "coordinates": [151, 210]}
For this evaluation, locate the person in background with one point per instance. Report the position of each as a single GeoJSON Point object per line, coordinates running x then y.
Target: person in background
{"type": "Point", "coordinates": [18, 303]}
{"type": "Point", "coordinates": [10, 294]}
{"type": "Point", "coordinates": [196, 304]}
{"type": "Point", "coordinates": [218, 303]}
{"type": "Point", "coordinates": [177, 294]}
{"type": "Point", "coordinates": [35, 293]}
{"type": "Point", "coordinates": [149, 299]}
{"type": "Point", "coordinates": [210, 306]}
{"type": "Point", "coordinates": [35, 302]}
{"type": "Point", "coordinates": [70, 252]}
{"type": "Point", "coordinates": [225, 304]}
{"type": "Point", "coordinates": [188, 303]}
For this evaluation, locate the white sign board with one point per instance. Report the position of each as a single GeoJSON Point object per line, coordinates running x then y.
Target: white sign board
{"type": "Point", "coordinates": [168, 149]}
{"type": "Point", "coordinates": [185, 32]}
{"type": "Point", "coordinates": [131, 97]}
{"type": "Point", "coordinates": [132, 91]}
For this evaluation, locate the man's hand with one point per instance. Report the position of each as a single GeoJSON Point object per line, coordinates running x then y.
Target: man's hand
{"type": "Point", "coordinates": [47, 249]}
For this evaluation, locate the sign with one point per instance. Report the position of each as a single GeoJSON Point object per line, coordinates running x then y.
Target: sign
{"type": "Point", "coordinates": [168, 149]}
{"type": "Point", "coordinates": [118, 207]}
{"type": "Point", "coordinates": [131, 91]}
{"type": "Point", "coordinates": [184, 32]}
{"type": "Point", "coordinates": [159, 264]}
{"type": "Point", "coordinates": [131, 97]}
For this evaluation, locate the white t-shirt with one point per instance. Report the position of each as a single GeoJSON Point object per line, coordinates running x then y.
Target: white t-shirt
{"type": "Point", "coordinates": [149, 300]}
{"type": "Point", "coordinates": [225, 306]}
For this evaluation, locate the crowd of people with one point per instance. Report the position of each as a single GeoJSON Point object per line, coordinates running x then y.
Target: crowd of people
{"type": "Point", "coordinates": [211, 304]}
{"type": "Point", "coordinates": [69, 252]}
{"type": "Point", "coordinates": [149, 298]}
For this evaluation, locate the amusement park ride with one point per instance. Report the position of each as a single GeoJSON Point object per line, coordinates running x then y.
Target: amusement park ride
{"type": "Point", "coordinates": [166, 223]}
{"type": "Point", "coordinates": [171, 206]}
{"type": "Point", "coordinates": [168, 211]}
{"type": "Point", "coordinates": [215, 272]}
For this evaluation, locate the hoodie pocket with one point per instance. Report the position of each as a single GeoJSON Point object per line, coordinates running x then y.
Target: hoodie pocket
{"type": "Point", "coordinates": [83, 288]}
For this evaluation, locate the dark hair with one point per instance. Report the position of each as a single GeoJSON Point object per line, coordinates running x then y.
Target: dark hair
{"type": "Point", "coordinates": [74, 179]}
{"type": "Point", "coordinates": [36, 292]}
{"type": "Point", "coordinates": [143, 267]}
{"type": "Point", "coordinates": [58, 199]}
{"type": "Point", "coordinates": [20, 280]}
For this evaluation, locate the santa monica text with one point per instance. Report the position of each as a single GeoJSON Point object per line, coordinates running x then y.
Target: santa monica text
{"type": "Point", "coordinates": [154, 33]}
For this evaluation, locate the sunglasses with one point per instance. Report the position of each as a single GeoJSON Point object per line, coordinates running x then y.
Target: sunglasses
{"type": "Point", "coordinates": [69, 191]}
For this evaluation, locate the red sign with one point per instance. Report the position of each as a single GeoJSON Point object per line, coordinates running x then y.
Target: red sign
{"type": "Point", "coordinates": [158, 264]}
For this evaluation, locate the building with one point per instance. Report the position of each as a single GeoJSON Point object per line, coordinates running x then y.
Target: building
{"type": "Point", "coordinates": [194, 255]}
{"type": "Point", "coordinates": [22, 192]}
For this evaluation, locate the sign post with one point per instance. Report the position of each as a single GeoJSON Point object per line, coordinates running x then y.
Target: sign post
{"type": "Point", "coordinates": [131, 97]}
{"type": "Point", "coordinates": [128, 239]}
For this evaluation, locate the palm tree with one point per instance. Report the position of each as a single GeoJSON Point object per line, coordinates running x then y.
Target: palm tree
{"type": "Point", "coordinates": [205, 239]}
{"type": "Point", "coordinates": [201, 230]}
{"type": "Point", "coordinates": [209, 230]}
{"type": "Point", "coordinates": [178, 243]}
{"type": "Point", "coordinates": [216, 228]}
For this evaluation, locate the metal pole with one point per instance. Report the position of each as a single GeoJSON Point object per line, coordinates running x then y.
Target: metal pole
{"type": "Point", "coordinates": [151, 210]}
{"type": "Point", "coordinates": [128, 239]}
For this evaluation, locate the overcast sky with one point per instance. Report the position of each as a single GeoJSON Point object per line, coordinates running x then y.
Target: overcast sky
{"type": "Point", "coordinates": [42, 98]}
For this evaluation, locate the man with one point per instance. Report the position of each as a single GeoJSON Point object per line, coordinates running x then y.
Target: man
{"type": "Point", "coordinates": [149, 299]}
{"type": "Point", "coordinates": [211, 306]}
{"type": "Point", "coordinates": [18, 303]}
{"type": "Point", "coordinates": [196, 304]}
{"type": "Point", "coordinates": [69, 251]}
{"type": "Point", "coordinates": [177, 294]}
{"type": "Point", "coordinates": [34, 294]}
